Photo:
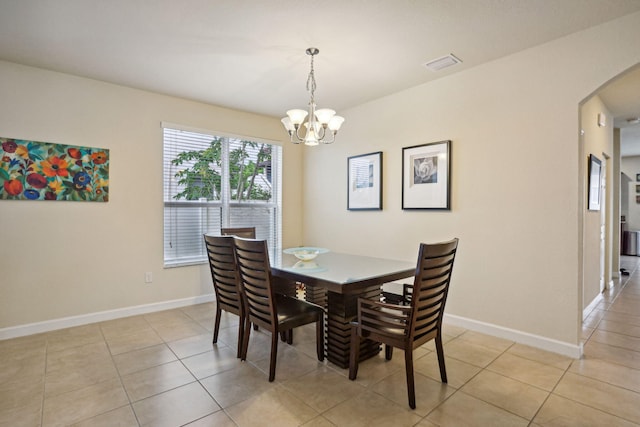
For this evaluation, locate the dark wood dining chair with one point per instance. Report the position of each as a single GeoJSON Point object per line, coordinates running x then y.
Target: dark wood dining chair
{"type": "Point", "coordinates": [409, 326]}
{"type": "Point", "coordinates": [273, 312]}
{"type": "Point", "coordinates": [244, 232]}
{"type": "Point", "coordinates": [226, 282]}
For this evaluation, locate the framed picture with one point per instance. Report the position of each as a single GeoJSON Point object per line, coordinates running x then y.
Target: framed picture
{"type": "Point", "coordinates": [364, 182]}
{"type": "Point", "coordinates": [638, 189]}
{"type": "Point", "coordinates": [47, 171]}
{"type": "Point", "coordinates": [638, 177]}
{"type": "Point", "coordinates": [426, 176]}
{"type": "Point", "coordinates": [595, 167]}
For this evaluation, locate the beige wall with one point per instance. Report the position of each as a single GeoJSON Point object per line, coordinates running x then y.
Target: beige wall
{"type": "Point", "coordinates": [60, 259]}
{"type": "Point", "coordinates": [616, 237]}
{"type": "Point", "coordinates": [516, 188]}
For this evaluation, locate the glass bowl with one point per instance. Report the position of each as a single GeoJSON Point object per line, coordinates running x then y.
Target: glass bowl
{"type": "Point", "coordinates": [305, 253]}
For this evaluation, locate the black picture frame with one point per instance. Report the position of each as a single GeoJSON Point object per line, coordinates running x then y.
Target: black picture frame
{"type": "Point", "coordinates": [426, 176]}
{"type": "Point", "coordinates": [595, 171]}
{"type": "Point", "coordinates": [364, 182]}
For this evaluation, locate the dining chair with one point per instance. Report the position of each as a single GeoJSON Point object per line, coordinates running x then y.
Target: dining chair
{"type": "Point", "coordinates": [273, 312]}
{"type": "Point", "coordinates": [409, 326]}
{"type": "Point", "coordinates": [226, 282]}
{"type": "Point", "coordinates": [245, 232]}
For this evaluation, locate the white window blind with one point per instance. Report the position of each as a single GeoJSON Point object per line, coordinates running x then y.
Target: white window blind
{"type": "Point", "coordinates": [212, 182]}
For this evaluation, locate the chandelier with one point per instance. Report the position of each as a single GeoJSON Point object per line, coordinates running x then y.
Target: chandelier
{"type": "Point", "coordinates": [321, 125]}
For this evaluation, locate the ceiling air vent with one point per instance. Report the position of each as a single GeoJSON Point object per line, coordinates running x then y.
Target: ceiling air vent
{"type": "Point", "coordinates": [444, 62]}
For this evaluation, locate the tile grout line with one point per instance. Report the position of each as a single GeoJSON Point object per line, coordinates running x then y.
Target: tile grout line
{"type": "Point", "coordinates": [111, 355]}
{"type": "Point", "coordinates": [44, 380]}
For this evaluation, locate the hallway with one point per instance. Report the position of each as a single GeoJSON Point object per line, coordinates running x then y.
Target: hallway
{"type": "Point", "coordinates": [611, 359]}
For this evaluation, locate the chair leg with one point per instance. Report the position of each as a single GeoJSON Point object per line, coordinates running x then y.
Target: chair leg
{"type": "Point", "coordinates": [411, 389]}
{"type": "Point", "coordinates": [240, 337]}
{"type": "Point", "coordinates": [440, 351]}
{"type": "Point", "coordinates": [287, 336]}
{"type": "Point", "coordinates": [216, 326]}
{"type": "Point", "coordinates": [388, 351]}
{"type": "Point", "coordinates": [354, 353]}
{"type": "Point", "coordinates": [245, 338]}
{"type": "Point", "coordinates": [320, 338]}
{"type": "Point", "coordinates": [274, 356]}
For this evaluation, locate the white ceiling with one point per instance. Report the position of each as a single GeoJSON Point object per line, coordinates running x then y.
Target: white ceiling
{"type": "Point", "coordinates": [249, 54]}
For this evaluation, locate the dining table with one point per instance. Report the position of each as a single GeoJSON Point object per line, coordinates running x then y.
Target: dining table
{"type": "Point", "coordinates": [335, 281]}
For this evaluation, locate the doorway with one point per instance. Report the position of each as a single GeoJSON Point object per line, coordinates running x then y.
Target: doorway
{"type": "Point", "coordinates": [601, 117]}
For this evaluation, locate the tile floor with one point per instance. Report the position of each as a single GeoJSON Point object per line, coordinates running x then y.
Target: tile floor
{"type": "Point", "coordinates": [161, 369]}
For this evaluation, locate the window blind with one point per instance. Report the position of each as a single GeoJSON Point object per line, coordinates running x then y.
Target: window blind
{"type": "Point", "coordinates": [213, 181]}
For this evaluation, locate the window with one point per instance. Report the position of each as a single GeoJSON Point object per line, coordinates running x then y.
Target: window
{"type": "Point", "coordinates": [213, 181]}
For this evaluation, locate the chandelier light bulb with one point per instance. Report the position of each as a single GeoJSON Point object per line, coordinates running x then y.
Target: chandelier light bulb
{"type": "Point", "coordinates": [335, 123]}
{"type": "Point", "coordinates": [286, 122]}
{"type": "Point", "coordinates": [297, 116]}
{"type": "Point", "coordinates": [324, 115]}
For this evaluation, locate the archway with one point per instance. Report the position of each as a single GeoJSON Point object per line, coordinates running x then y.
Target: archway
{"type": "Point", "coordinates": [602, 114]}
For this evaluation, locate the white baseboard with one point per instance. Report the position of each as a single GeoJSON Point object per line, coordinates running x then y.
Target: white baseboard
{"type": "Point", "coordinates": [543, 343]}
{"type": "Point", "coordinates": [593, 304]}
{"type": "Point", "coordinates": [101, 316]}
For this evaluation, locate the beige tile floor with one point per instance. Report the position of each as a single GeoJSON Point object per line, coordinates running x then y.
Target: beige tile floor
{"type": "Point", "coordinates": [161, 369]}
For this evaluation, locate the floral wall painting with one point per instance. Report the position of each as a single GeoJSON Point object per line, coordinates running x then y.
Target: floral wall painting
{"type": "Point", "coordinates": [32, 170]}
{"type": "Point", "coordinates": [426, 173]}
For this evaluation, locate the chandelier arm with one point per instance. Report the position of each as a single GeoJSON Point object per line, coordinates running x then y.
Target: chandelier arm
{"type": "Point", "coordinates": [332, 140]}
{"type": "Point", "coordinates": [298, 139]}
{"type": "Point", "coordinates": [322, 133]}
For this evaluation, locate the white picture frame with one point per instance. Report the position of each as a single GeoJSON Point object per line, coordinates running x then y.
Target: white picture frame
{"type": "Point", "coordinates": [595, 170]}
{"type": "Point", "coordinates": [364, 182]}
{"type": "Point", "coordinates": [426, 176]}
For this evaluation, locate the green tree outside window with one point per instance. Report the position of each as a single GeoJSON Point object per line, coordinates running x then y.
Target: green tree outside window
{"type": "Point", "coordinates": [201, 177]}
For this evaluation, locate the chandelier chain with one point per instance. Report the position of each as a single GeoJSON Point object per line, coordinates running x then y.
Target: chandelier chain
{"type": "Point", "coordinates": [311, 81]}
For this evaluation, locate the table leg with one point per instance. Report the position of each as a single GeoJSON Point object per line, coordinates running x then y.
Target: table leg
{"type": "Point", "coordinates": [284, 287]}
{"type": "Point", "coordinates": [342, 309]}
{"type": "Point", "coordinates": [316, 295]}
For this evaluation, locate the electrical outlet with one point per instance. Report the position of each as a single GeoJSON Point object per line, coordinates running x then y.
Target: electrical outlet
{"type": "Point", "coordinates": [148, 277]}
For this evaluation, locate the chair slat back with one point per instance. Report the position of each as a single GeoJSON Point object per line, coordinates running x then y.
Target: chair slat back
{"type": "Point", "coordinates": [430, 289]}
{"type": "Point", "coordinates": [226, 281]}
{"type": "Point", "coordinates": [244, 232]}
{"type": "Point", "coordinates": [252, 259]}
{"type": "Point", "coordinates": [391, 322]}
